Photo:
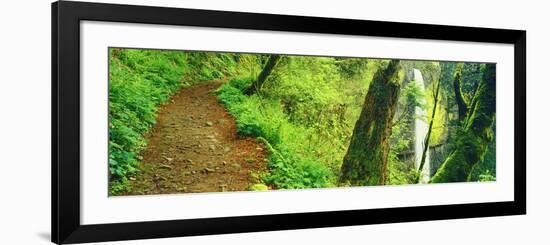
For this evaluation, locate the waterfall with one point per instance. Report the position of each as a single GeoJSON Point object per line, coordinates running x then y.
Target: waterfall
{"type": "Point", "coordinates": [420, 131]}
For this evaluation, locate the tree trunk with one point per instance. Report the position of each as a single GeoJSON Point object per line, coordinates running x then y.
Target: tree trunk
{"type": "Point", "coordinates": [268, 68]}
{"type": "Point", "coordinates": [427, 139]}
{"type": "Point", "coordinates": [365, 162]}
{"type": "Point", "coordinates": [457, 84]}
{"type": "Point", "coordinates": [472, 104]}
{"type": "Point", "coordinates": [473, 140]}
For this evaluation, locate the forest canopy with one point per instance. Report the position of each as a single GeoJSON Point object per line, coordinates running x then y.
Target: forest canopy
{"type": "Point", "coordinates": [187, 121]}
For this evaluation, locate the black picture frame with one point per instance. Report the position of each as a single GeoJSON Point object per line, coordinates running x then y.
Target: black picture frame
{"type": "Point", "coordinates": [66, 17]}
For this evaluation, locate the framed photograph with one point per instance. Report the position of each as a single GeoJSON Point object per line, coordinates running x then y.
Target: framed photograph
{"type": "Point", "coordinates": [176, 122]}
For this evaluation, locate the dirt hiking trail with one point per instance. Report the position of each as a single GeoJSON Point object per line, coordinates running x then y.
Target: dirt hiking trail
{"type": "Point", "coordinates": [194, 147]}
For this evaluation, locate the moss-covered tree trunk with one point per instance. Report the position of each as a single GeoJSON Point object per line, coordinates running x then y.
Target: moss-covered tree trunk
{"type": "Point", "coordinates": [475, 137]}
{"type": "Point", "coordinates": [457, 85]}
{"type": "Point", "coordinates": [365, 162]}
{"type": "Point", "coordinates": [268, 68]}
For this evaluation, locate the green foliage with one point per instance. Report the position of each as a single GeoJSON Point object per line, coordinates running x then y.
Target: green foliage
{"type": "Point", "coordinates": [413, 95]}
{"type": "Point", "coordinates": [139, 80]}
{"type": "Point", "coordinates": [210, 66]}
{"type": "Point", "coordinates": [399, 173]}
{"type": "Point", "coordinates": [310, 95]}
{"type": "Point", "coordinates": [352, 68]}
{"type": "Point", "coordinates": [290, 166]}
{"type": "Point", "coordinates": [486, 176]}
{"type": "Point", "coordinates": [485, 169]}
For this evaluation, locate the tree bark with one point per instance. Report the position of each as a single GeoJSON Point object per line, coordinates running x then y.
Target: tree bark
{"type": "Point", "coordinates": [268, 68]}
{"type": "Point", "coordinates": [473, 140]}
{"type": "Point", "coordinates": [472, 104]}
{"type": "Point", "coordinates": [365, 162]}
{"type": "Point", "coordinates": [457, 84]}
{"type": "Point", "coordinates": [427, 139]}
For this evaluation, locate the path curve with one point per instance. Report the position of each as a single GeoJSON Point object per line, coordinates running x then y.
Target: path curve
{"type": "Point", "coordinates": [194, 147]}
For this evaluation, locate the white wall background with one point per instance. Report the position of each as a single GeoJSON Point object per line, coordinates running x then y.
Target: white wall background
{"type": "Point", "coordinates": [25, 121]}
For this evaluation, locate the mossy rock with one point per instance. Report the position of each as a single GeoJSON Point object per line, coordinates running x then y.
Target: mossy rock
{"type": "Point", "coordinates": [258, 187]}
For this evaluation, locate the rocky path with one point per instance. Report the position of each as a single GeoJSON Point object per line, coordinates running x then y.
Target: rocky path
{"type": "Point", "coordinates": [194, 147]}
